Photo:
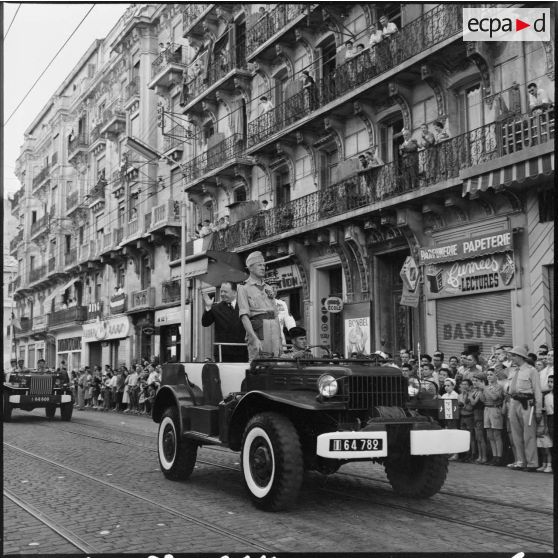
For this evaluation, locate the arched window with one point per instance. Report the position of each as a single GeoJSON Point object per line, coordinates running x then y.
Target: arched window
{"type": "Point", "coordinates": [240, 194]}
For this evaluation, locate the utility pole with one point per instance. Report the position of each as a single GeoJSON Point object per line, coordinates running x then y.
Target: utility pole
{"type": "Point", "coordinates": [182, 278]}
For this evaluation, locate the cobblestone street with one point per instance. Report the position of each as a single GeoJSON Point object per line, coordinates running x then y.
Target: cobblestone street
{"type": "Point", "coordinates": [95, 484]}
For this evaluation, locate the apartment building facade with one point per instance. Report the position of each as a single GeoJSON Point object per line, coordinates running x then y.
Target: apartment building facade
{"type": "Point", "coordinates": [442, 239]}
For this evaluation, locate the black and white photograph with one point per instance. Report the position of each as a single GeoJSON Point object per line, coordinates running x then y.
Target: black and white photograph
{"type": "Point", "coordinates": [278, 279]}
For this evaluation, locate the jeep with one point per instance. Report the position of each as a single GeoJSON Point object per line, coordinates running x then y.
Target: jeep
{"type": "Point", "coordinates": [28, 390]}
{"type": "Point", "coordinates": [286, 416]}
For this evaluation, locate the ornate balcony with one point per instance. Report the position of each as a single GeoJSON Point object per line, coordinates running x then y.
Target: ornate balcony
{"type": "Point", "coordinates": [95, 310]}
{"type": "Point", "coordinates": [221, 70]}
{"type": "Point", "coordinates": [14, 285]}
{"type": "Point", "coordinates": [142, 300]}
{"type": "Point", "coordinates": [165, 215]}
{"type": "Point", "coordinates": [108, 243]}
{"type": "Point", "coordinates": [72, 201]}
{"type": "Point", "coordinates": [431, 29]}
{"type": "Point", "coordinates": [192, 15]}
{"type": "Point", "coordinates": [132, 93]}
{"type": "Point", "coordinates": [84, 252]}
{"type": "Point", "coordinates": [14, 202]}
{"type": "Point", "coordinates": [67, 316]}
{"type": "Point", "coordinates": [271, 23]}
{"type": "Point", "coordinates": [54, 265]}
{"type": "Point", "coordinates": [37, 274]}
{"type": "Point", "coordinates": [77, 147]}
{"type": "Point", "coordinates": [39, 226]}
{"type": "Point", "coordinates": [133, 229]}
{"type": "Point", "coordinates": [224, 153]}
{"type": "Point", "coordinates": [15, 242]}
{"type": "Point", "coordinates": [167, 68]}
{"type": "Point", "coordinates": [96, 196]}
{"type": "Point", "coordinates": [174, 141]}
{"type": "Point", "coordinates": [170, 291]}
{"type": "Point", "coordinates": [70, 258]}
{"type": "Point", "coordinates": [26, 326]}
{"type": "Point", "coordinates": [97, 140]}
{"type": "Point", "coordinates": [41, 177]}
{"type": "Point", "coordinates": [113, 120]}
{"type": "Point", "coordinates": [509, 139]}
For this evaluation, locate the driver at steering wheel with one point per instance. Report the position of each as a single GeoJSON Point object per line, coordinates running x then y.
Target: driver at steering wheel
{"type": "Point", "coordinates": [300, 344]}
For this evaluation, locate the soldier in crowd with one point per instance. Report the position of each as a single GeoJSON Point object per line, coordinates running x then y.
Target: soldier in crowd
{"type": "Point", "coordinates": [525, 410]}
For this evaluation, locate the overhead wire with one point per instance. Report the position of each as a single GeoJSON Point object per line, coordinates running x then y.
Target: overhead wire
{"type": "Point", "coordinates": [12, 22]}
{"type": "Point", "coordinates": [49, 64]}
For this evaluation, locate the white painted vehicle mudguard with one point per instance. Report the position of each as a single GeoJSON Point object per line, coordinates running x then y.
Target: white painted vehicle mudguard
{"type": "Point", "coordinates": [435, 442]}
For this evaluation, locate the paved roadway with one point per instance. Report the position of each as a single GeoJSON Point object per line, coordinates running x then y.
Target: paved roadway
{"type": "Point", "coordinates": [94, 484]}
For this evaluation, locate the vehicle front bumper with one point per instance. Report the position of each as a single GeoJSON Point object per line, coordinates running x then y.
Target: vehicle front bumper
{"type": "Point", "coordinates": [355, 445]}
{"type": "Point", "coordinates": [38, 400]}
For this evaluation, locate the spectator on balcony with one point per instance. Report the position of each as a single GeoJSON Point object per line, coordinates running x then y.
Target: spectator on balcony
{"type": "Point", "coordinates": [161, 47]}
{"type": "Point", "coordinates": [207, 228]}
{"type": "Point", "coordinates": [361, 63]}
{"type": "Point", "coordinates": [427, 142]}
{"type": "Point", "coordinates": [372, 157]}
{"type": "Point", "coordinates": [197, 232]}
{"type": "Point", "coordinates": [363, 161]}
{"type": "Point", "coordinates": [409, 161]}
{"type": "Point", "coordinates": [538, 99]}
{"type": "Point", "coordinates": [310, 91]}
{"type": "Point", "coordinates": [350, 51]}
{"type": "Point", "coordinates": [265, 205]}
{"type": "Point", "coordinates": [388, 27]}
{"type": "Point", "coordinates": [376, 36]}
{"type": "Point", "coordinates": [389, 47]}
{"type": "Point", "coordinates": [265, 105]}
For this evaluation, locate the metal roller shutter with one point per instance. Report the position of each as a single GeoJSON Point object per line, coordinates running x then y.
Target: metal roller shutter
{"type": "Point", "coordinates": [476, 320]}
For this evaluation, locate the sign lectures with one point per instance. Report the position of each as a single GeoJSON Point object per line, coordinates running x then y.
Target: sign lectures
{"type": "Point", "coordinates": [493, 272]}
{"type": "Point", "coordinates": [469, 248]}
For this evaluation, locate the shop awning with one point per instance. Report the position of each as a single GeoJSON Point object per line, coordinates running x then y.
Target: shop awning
{"type": "Point", "coordinates": [215, 267]}
{"type": "Point", "coordinates": [518, 172]}
{"type": "Point", "coordinates": [59, 290]}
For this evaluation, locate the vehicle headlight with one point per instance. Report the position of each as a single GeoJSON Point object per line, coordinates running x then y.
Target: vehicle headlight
{"type": "Point", "coordinates": [327, 385]}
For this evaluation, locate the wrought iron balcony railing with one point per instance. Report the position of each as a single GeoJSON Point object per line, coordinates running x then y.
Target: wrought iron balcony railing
{"type": "Point", "coordinates": [42, 176]}
{"type": "Point", "coordinates": [215, 157]}
{"type": "Point", "coordinates": [192, 12]}
{"type": "Point", "coordinates": [39, 224]}
{"type": "Point", "coordinates": [432, 28]}
{"type": "Point", "coordinates": [97, 192]}
{"type": "Point", "coordinates": [95, 310]}
{"type": "Point", "coordinates": [170, 291]}
{"type": "Point", "coordinates": [72, 200]}
{"type": "Point", "coordinates": [171, 55]}
{"type": "Point", "coordinates": [76, 144]}
{"type": "Point", "coordinates": [70, 258]}
{"type": "Point", "coordinates": [436, 164]}
{"type": "Point", "coordinates": [270, 23]}
{"type": "Point", "coordinates": [223, 63]}
{"type": "Point", "coordinates": [16, 240]}
{"type": "Point", "coordinates": [17, 197]}
{"type": "Point", "coordinates": [37, 273]}
{"type": "Point", "coordinates": [142, 299]}
{"type": "Point", "coordinates": [68, 315]}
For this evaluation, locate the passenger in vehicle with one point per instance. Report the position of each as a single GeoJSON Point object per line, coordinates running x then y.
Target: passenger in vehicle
{"type": "Point", "coordinates": [300, 344]}
{"type": "Point", "coordinates": [228, 325]}
{"type": "Point", "coordinates": [257, 310]}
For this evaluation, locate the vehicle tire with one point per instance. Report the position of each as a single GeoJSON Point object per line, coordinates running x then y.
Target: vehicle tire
{"type": "Point", "coordinates": [271, 461]}
{"type": "Point", "coordinates": [66, 410]}
{"type": "Point", "coordinates": [6, 409]}
{"type": "Point", "coordinates": [50, 411]}
{"type": "Point", "coordinates": [177, 456]}
{"type": "Point", "coordinates": [417, 476]}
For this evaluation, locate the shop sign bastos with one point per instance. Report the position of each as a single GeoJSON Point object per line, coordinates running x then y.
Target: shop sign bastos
{"type": "Point", "coordinates": [494, 272]}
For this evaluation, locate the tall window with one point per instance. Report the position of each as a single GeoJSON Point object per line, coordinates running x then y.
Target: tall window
{"type": "Point", "coordinates": [474, 107]}
{"type": "Point", "coordinates": [282, 188]}
{"type": "Point", "coordinates": [390, 138]}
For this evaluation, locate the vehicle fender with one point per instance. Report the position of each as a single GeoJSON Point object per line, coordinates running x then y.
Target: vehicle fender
{"type": "Point", "coordinates": [169, 396]}
{"type": "Point", "coordinates": [293, 404]}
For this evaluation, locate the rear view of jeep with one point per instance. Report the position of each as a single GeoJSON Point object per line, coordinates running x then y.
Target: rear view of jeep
{"type": "Point", "coordinates": [288, 416]}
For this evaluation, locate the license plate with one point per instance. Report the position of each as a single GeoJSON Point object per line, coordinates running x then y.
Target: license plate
{"type": "Point", "coordinates": [40, 398]}
{"type": "Point", "coordinates": [356, 444]}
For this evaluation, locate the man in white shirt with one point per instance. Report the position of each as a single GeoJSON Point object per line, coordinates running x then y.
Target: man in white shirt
{"type": "Point", "coordinates": [388, 27]}
{"type": "Point", "coordinates": [285, 318]}
{"type": "Point", "coordinates": [538, 99]}
{"type": "Point", "coordinates": [265, 105]}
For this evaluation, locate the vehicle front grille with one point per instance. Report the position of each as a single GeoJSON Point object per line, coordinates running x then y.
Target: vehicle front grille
{"type": "Point", "coordinates": [365, 392]}
{"type": "Point", "coordinates": [41, 385]}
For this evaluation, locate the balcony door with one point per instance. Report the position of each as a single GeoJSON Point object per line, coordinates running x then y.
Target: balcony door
{"type": "Point", "coordinates": [145, 273]}
{"type": "Point", "coordinates": [282, 188]}
{"type": "Point", "coordinates": [390, 138]}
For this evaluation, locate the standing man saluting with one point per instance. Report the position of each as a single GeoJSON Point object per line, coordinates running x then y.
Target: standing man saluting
{"type": "Point", "coordinates": [258, 311]}
{"type": "Point", "coordinates": [228, 326]}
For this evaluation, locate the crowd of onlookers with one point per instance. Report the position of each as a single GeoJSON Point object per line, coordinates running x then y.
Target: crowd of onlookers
{"type": "Point", "coordinates": [505, 401]}
{"type": "Point", "coordinates": [126, 390]}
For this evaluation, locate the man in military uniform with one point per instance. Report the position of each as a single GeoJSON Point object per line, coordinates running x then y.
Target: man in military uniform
{"type": "Point", "coordinates": [525, 410]}
{"type": "Point", "coordinates": [257, 310]}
